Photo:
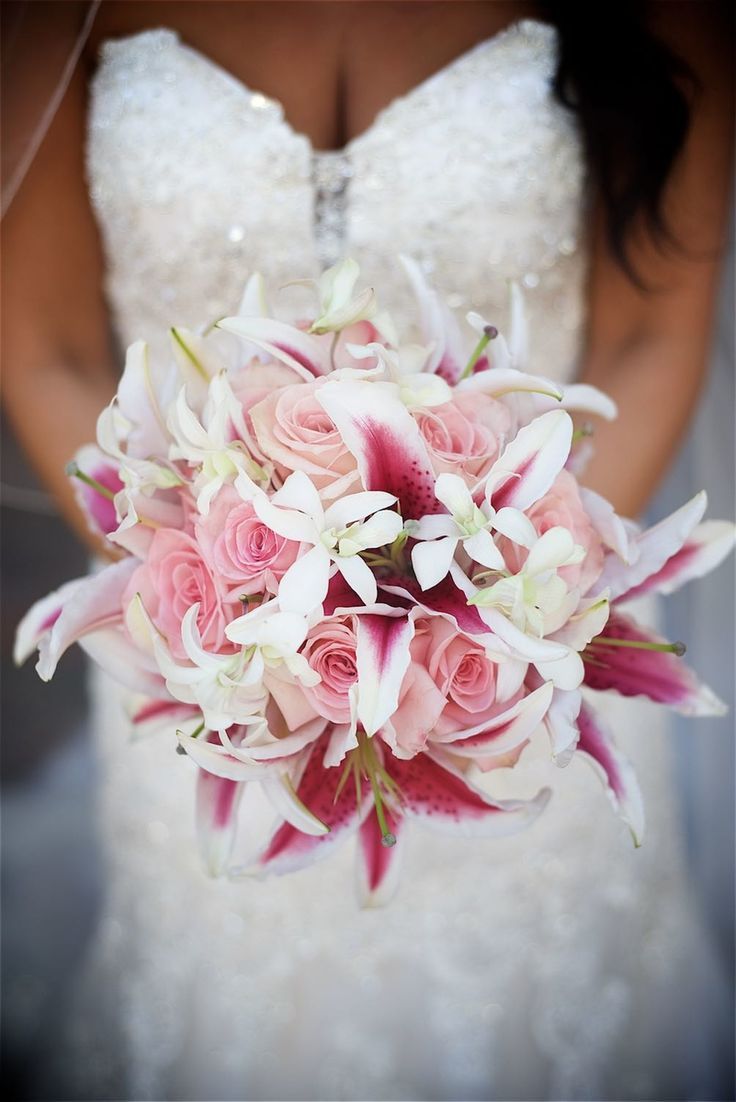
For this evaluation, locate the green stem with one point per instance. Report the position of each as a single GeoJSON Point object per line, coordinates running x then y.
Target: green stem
{"type": "Point", "coordinates": [73, 471]}
{"type": "Point", "coordinates": [639, 644]}
{"type": "Point", "coordinates": [489, 333]}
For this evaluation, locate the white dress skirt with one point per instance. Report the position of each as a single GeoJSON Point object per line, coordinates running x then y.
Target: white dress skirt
{"type": "Point", "coordinates": [559, 963]}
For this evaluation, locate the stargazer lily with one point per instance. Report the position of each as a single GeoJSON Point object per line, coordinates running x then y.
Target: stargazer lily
{"type": "Point", "coordinates": [375, 793]}
{"type": "Point", "coordinates": [338, 535]}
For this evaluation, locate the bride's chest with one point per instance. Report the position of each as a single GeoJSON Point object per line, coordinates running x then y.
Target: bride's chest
{"type": "Point", "coordinates": [198, 180]}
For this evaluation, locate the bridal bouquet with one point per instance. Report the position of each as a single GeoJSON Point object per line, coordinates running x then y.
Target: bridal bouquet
{"type": "Point", "coordinates": [360, 573]}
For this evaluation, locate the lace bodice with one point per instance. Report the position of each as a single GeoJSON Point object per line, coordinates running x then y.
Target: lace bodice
{"type": "Point", "coordinates": [535, 966]}
{"type": "Point", "coordinates": [477, 173]}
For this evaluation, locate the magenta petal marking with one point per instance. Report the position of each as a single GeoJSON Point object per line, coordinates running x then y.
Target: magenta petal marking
{"type": "Point", "coordinates": [393, 466]}
{"type": "Point", "coordinates": [50, 620]}
{"type": "Point", "coordinates": [504, 494]}
{"type": "Point", "coordinates": [441, 797]}
{"type": "Point", "coordinates": [659, 675]}
{"type": "Point", "coordinates": [667, 575]}
{"type": "Point", "coordinates": [379, 862]}
{"type": "Point", "coordinates": [156, 709]}
{"type": "Point", "coordinates": [445, 598]}
{"type": "Point", "coordinates": [301, 359]}
{"type": "Point", "coordinates": [289, 848]}
{"type": "Point", "coordinates": [101, 509]}
{"type": "Point", "coordinates": [217, 805]}
{"type": "Point", "coordinates": [616, 771]}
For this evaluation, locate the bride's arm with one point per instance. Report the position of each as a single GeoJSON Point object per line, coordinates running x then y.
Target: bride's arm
{"type": "Point", "coordinates": [56, 352]}
{"type": "Point", "coordinates": [650, 351]}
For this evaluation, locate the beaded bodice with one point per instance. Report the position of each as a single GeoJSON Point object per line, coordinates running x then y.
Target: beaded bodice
{"type": "Point", "coordinates": [477, 173]}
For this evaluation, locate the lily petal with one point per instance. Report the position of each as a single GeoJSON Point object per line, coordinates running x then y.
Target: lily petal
{"type": "Point", "coordinates": [379, 866]}
{"type": "Point", "coordinates": [385, 439]}
{"type": "Point", "coordinates": [528, 466]}
{"type": "Point", "coordinates": [382, 657]}
{"type": "Point", "coordinates": [290, 848]}
{"type": "Point", "coordinates": [702, 551]}
{"type": "Point", "coordinates": [616, 772]}
{"type": "Point", "coordinates": [651, 549]}
{"type": "Point", "coordinates": [216, 817]}
{"type": "Point", "coordinates": [439, 795]}
{"type": "Point", "coordinates": [632, 671]}
{"type": "Point", "coordinates": [507, 730]}
{"type": "Point", "coordinates": [94, 603]}
{"type": "Point", "coordinates": [303, 353]}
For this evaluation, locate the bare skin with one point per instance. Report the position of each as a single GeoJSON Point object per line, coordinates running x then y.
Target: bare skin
{"type": "Point", "coordinates": [334, 66]}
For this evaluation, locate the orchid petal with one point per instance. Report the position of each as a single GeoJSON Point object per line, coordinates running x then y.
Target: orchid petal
{"type": "Point", "coordinates": [355, 507]}
{"type": "Point", "coordinates": [516, 526]}
{"type": "Point", "coordinates": [304, 585]}
{"type": "Point", "coordinates": [432, 527]}
{"type": "Point", "coordinates": [431, 560]}
{"type": "Point", "coordinates": [359, 577]}
{"type": "Point", "coordinates": [285, 522]}
{"type": "Point", "coordinates": [553, 549]}
{"type": "Point", "coordinates": [482, 549]}
{"type": "Point", "coordinates": [561, 724]}
{"type": "Point", "coordinates": [299, 492]}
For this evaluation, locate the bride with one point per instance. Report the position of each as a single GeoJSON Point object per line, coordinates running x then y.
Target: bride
{"type": "Point", "coordinates": [226, 138]}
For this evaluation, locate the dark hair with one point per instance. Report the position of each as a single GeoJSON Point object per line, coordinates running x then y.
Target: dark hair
{"type": "Point", "coordinates": [633, 98]}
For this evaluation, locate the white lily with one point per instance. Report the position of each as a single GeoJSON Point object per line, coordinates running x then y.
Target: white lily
{"type": "Point", "coordinates": [209, 443]}
{"type": "Point", "coordinates": [337, 534]}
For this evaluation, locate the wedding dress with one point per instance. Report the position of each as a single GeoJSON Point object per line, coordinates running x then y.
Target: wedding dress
{"type": "Point", "coordinates": [559, 963]}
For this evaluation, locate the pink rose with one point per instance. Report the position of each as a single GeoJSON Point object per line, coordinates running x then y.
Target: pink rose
{"type": "Point", "coordinates": [561, 505]}
{"type": "Point", "coordinates": [240, 549]}
{"type": "Point", "coordinates": [330, 650]}
{"type": "Point", "coordinates": [172, 579]}
{"type": "Point", "coordinates": [450, 686]}
{"type": "Point", "coordinates": [297, 435]}
{"type": "Point", "coordinates": [464, 436]}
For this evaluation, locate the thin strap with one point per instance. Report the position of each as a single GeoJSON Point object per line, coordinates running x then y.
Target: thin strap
{"type": "Point", "coordinates": [17, 177]}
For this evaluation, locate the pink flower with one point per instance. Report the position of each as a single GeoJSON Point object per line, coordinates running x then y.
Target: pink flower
{"type": "Point", "coordinates": [449, 687]}
{"type": "Point", "coordinates": [330, 649]}
{"type": "Point", "coordinates": [561, 506]}
{"type": "Point", "coordinates": [170, 581]}
{"type": "Point", "coordinates": [464, 436]}
{"type": "Point", "coordinates": [240, 549]}
{"type": "Point", "coordinates": [296, 433]}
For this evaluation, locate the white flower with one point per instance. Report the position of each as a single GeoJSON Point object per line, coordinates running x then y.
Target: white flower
{"type": "Point", "coordinates": [338, 534]}
{"type": "Point", "coordinates": [209, 443]}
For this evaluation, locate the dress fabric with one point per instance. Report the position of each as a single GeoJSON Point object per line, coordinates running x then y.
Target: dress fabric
{"type": "Point", "coordinates": [559, 963]}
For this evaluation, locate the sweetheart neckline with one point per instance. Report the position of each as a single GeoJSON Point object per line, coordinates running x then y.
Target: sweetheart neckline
{"type": "Point", "coordinates": [517, 27]}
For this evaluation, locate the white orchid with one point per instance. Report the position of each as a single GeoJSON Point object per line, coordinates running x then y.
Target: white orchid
{"type": "Point", "coordinates": [338, 307]}
{"type": "Point", "coordinates": [520, 476]}
{"type": "Point", "coordinates": [337, 534]}
{"type": "Point", "coordinates": [216, 443]}
{"type": "Point", "coordinates": [272, 638]}
{"type": "Point", "coordinates": [227, 688]}
{"type": "Point", "coordinates": [406, 368]}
